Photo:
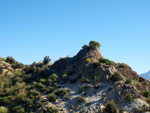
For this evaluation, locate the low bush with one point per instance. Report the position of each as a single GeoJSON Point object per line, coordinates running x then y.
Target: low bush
{"type": "Point", "coordinates": [3, 109]}
{"type": "Point", "coordinates": [128, 81]}
{"type": "Point", "coordinates": [116, 77]}
{"type": "Point", "coordinates": [106, 61]}
{"type": "Point", "coordinates": [52, 110]}
{"type": "Point", "coordinates": [122, 65]}
{"type": "Point", "coordinates": [146, 94]}
{"type": "Point", "coordinates": [62, 92]}
{"type": "Point", "coordinates": [129, 97]}
{"type": "Point", "coordinates": [51, 97]}
{"type": "Point", "coordinates": [10, 60]}
{"type": "Point", "coordinates": [53, 77]}
{"type": "Point", "coordinates": [88, 60]}
{"type": "Point", "coordinates": [81, 99]}
{"type": "Point", "coordinates": [110, 107]}
{"type": "Point", "coordinates": [96, 64]}
{"type": "Point", "coordinates": [4, 101]}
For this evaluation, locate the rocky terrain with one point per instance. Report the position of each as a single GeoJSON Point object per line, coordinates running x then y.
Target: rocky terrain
{"type": "Point", "coordinates": [86, 83]}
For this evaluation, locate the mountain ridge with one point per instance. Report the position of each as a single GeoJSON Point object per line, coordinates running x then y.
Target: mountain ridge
{"type": "Point", "coordinates": [87, 82]}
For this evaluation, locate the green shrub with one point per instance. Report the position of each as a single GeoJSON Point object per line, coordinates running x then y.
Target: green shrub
{"type": "Point", "coordinates": [3, 109]}
{"type": "Point", "coordinates": [88, 60]}
{"type": "Point", "coordinates": [64, 76]}
{"type": "Point", "coordinates": [96, 64]}
{"type": "Point", "coordinates": [46, 60]}
{"type": "Point", "coordinates": [83, 80]}
{"type": "Point", "coordinates": [106, 61]}
{"type": "Point", "coordinates": [81, 99]}
{"type": "Point", "coordinates": [17, 65]}
{"type": "Point", "coordinates": [128, 81]}
{"type": "Point", "coordinates": [110, 107]}
{"type": "Point", "coordinates": [94, 44]}
{"type": "Point", "coordinates": [21, 110]}
{"type": "Point", "coordinates": [129, 97]}
{"type": "Point", "coordinates": [67, 56]}
{"type": "Point", "coordinates": [10, 60]}
{"type": "Point", "coordinates": [122, 65]}
{"type": "Point", "coordinates": [43, 80]}
{"type": "Point", "coordinates": [53, 77]}
{"type": "Point", "coordinates": [52, 110]}
{"type": "Point", "coordinates": [85, 46]}
{"type": "Point", "coordinates": [146, 94]}
{"type": "Point", "coordinates": [50, 89]}
{"type": "Point", "coordinates": [21, 96]}
{"type": "Point", "coordinates": [116, 77]}
{"type": "Point", "coordinates": [4, 101]}
{"type": "Point", "coordinates": [51, 97]}
{"type": "Point", "coordinates": [62, 92]}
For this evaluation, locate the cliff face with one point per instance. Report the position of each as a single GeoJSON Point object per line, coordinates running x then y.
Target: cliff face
{"type": "Point", "coordinates": [73, 84]}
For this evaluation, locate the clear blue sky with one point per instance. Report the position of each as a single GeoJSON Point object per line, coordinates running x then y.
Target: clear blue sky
{"type": "Point", "coordinates": [32, 29]}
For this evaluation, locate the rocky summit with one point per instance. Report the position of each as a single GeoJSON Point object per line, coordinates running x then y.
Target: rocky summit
{"type": "Point", "coordinates": [85, 83]}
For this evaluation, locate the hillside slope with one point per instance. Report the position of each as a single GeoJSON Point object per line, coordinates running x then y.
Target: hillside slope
{"type": "Point", "coordinates": [86, 83]}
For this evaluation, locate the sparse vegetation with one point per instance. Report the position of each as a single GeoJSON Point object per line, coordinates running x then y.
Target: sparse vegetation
{"type": "Point", "coordinates": [116, 77]}
{"type": "Point", "coordinates": [40, 87]}
{"type": "Point", "coordinates": [110, 107]}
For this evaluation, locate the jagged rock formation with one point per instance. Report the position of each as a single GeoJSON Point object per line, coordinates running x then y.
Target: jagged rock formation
{"type": "Point", "coordinates": [96, 81]}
